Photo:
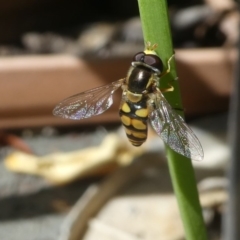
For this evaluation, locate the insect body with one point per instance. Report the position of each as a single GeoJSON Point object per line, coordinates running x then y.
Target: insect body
{"type": "Point", "coordinates": [134, 117]}
{"type": "Point", "coordinates": [141, 101]}
{"type": "Point", "coordinates": [141, 80]}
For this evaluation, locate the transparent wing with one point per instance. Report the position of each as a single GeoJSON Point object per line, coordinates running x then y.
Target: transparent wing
{"type": "Point", "coordinates": [173, 130]}
{"type": "Point", "coordinates": [89, 103]}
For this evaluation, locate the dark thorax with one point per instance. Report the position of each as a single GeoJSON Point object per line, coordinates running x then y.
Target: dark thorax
{"type": "Point", "coordinates": [139, 79]}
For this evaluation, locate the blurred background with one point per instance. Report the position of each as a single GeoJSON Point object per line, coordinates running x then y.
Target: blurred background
{"type": "Point", "coordinates": [63, 179]}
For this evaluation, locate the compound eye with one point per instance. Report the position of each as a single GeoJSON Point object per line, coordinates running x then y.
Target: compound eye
{"type": "Point", "coordinates": [154, 61]}
{"type": "Point", "coordinates": [139, 57]}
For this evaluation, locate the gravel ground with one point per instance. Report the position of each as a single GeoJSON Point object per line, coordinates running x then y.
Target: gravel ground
{"type": "Point", "coordinates": [30, 207]}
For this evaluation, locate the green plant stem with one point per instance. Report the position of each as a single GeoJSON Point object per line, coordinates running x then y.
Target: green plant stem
{"type": "Point", "coordinates": [156, 29]}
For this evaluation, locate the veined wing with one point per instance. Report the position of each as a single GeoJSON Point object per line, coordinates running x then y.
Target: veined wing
{"type": "Point", "coordinates": [173, 130]}
{"type": "Point", "coordinates": [87, 104]}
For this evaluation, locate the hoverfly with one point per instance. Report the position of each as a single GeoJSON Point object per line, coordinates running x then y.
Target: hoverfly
{"type": "Point", "coordinates": [141, 101]}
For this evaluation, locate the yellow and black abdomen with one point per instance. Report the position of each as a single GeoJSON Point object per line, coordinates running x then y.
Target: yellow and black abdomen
{"type": "Point", "coordinates": [134, 117]}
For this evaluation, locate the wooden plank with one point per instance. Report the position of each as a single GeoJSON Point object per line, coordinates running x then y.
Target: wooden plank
{"type": "Point", "coordinates": [32, 85]}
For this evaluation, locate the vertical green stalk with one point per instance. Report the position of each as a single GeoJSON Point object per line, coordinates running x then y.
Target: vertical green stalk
{"type": "Point", "coordinates": [156, 29]}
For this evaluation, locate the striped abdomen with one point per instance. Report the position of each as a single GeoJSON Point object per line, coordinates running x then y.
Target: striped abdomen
{"type": "Point", "coordinates": [134, 117]}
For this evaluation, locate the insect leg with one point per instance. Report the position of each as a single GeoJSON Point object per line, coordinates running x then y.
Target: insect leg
{"type": "Point", "coordinates": [168, 66]}
{"type": "Point", "coordinates": [169, 89]}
